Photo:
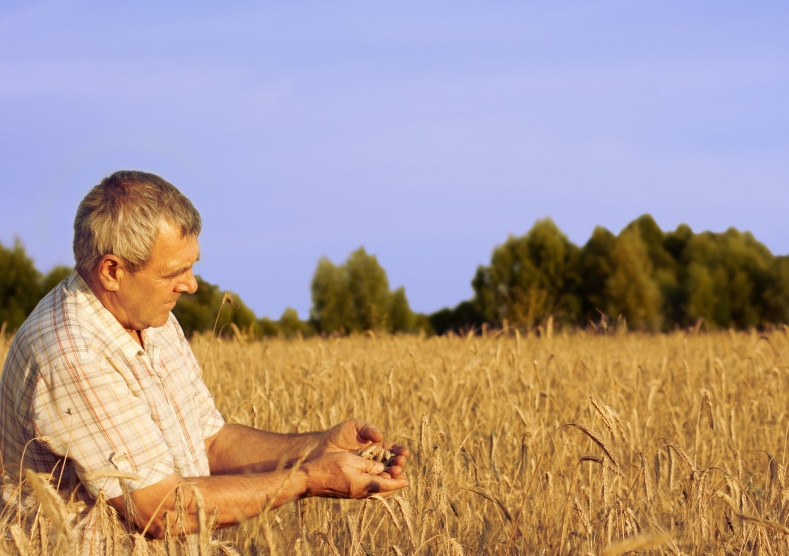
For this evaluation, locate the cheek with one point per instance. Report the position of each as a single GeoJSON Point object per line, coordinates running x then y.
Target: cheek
{"type": "Point", "coordinates": [166, 291]}
{"type": "Point", "coordinates": [162, 289]}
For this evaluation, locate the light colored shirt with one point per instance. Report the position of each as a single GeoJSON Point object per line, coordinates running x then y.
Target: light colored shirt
{"type": "Point", "coordinates": [76, 385]}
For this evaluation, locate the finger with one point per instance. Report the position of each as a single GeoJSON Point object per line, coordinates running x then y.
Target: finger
{"type": "Point", "coordinates": [397, 461]}
{"type": "Point", "coordinates": [398, 449]}
{"type": "Point", "coordinates": [372, 467]}
{"type": "Point", "coordinates": [384, 484]}
{"type": "Point", "coordinates": [367, 432]}
{"type": "Point", "coordinates": [394, 471]}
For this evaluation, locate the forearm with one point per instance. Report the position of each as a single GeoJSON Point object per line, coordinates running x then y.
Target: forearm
{"type": "Point", "coordinates": [231, 498]}
{"type": "Point", "coordinates": [238, 449]}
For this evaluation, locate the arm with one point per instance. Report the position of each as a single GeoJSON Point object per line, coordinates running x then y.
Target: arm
{"type": "Point", "coordinates": [237, 449]}
{"type": "Point", "coordinates": [239, 497]}
{"type": "Point", "coordinates": [240, 449]}
{"type": "Point", "coordinates": [248, 474]}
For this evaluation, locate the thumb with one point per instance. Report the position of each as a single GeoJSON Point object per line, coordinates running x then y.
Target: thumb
{"type": "Point", "coordinates": [367, 432]}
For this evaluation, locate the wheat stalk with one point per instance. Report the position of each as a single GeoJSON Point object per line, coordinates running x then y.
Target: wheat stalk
{"type": "Point", "coordinates": [636, 543]}
{"type": "Point", "coordinates": [601, 442]}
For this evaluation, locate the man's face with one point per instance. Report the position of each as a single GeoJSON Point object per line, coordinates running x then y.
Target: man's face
{"type": "Point", "coordinates": [146, 297]}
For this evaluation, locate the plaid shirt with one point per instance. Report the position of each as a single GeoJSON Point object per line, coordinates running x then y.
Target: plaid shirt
{"type": "Point", "coordinates": [75, 385]}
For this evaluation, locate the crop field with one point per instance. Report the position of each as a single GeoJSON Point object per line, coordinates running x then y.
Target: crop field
{"type": "Point", "coordinates": [563, 443]}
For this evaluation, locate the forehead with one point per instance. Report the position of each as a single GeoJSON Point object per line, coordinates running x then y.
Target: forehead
{"type": "Point", "coordinates": [172, 249]}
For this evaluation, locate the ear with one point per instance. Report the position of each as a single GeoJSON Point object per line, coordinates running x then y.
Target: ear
{"type": "Point", "coordinates": [110, 271]}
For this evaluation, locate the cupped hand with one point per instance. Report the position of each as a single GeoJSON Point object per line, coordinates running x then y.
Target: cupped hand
{"type": "Point", "coordinates": [343, 474]}
{"type": "Point", "coordinates": [356, 434]}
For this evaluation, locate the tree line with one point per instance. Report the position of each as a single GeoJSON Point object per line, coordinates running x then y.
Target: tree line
{"type": "Point", "coordinates": [649, 279]}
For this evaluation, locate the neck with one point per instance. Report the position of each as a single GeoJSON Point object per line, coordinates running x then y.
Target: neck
{"type": "Point", "coordinates": [105, 297]}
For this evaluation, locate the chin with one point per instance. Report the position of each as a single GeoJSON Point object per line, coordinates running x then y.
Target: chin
{"type": "Point", "coordinates": [158, 323]}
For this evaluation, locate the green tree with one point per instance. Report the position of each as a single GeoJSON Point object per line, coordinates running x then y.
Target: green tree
{"type": "Point", "coordinates": [663, 265]}
{"type": "Point", "coordinates": [198, 312]}
{"type": "Point", "coordinates": [355, 297]}
{"type": "Point", "coordinates": [530, 278]}
{"type": "Point", "coordinates": [728, 275]}
{"type": "Point", "coordinates": [332, 309]}
{"type": "Point", "coordinates": [401, 317]}
{"type": "Point", "coordinates": [775, 297]}
{"type": "Point", "coordinates": [291, 326]}
{"type": "Point", "coordinates": [596, 266]}
{"type": "Point", "coordinates": [676, 243]}
{"type": "Point", "coordinates": [486, 301]}
{"type": "Point", "coordinates": [708, 296]}
{"type": "Point", "coordinates": [675, 298]}
{"type": "Point", "coordinates": [369, 291]}
{"type": "Point", "coordinates": [463, 318]}
{"type": "Point", "coordinates": [20, 285]}
{"type": "Point", "coordinates": [631, 290]}
{"type": "Point", "coordinates": [267, 327]}
{"type": "Point", "coordinates": [654, 240]}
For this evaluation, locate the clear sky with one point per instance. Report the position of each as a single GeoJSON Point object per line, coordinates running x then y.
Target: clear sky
{"type": "Point", "coordinates": [425, 131]}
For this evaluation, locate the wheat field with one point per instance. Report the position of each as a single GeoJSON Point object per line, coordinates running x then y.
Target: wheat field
{"type": "Point", "coordinates": [562, 443]}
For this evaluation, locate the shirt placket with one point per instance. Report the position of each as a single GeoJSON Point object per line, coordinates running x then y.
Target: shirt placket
{"type": "Point", "coordinates": [172, 428]}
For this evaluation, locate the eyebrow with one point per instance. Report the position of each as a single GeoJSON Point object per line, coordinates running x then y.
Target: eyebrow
{"type": "Point", "coordinates": [182, 269]}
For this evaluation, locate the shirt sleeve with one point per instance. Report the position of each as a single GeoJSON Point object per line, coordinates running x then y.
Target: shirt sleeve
{"type": "Point", "coordinates": [87, 411]}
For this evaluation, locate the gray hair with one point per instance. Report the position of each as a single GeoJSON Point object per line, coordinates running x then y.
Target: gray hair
{"type": "Point", "coordinates": [122, 216]}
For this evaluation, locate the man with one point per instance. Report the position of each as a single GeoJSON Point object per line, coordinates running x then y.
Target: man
{"type": "Point", "coordinates": [101, 389]}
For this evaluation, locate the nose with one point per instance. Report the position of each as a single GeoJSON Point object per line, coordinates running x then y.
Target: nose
{"type": "Point", "coordinates": [188, 284]}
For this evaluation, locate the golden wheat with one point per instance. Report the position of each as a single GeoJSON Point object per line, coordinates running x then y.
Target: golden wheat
{"type": "Point", "coordinates": [569, 443]}
{"type": "Point", "coordinates": [377, 453]}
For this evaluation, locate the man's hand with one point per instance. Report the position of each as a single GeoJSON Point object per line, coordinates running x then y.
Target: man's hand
{"type": "Point", "coordinates": [354, 435]}
{"type": "Point", "coordinates": [341, 474]}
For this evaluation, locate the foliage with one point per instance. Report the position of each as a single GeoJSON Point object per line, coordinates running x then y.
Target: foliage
{"type": "Point", "coordinates": [290, 326]}
{"type": "Point", "coordinates": [728, 276]}
{"type": "Point", "coordinates": [530, 278]}
{"type": "Point", "coordinates": [650, 279]}
{"type": "Point", "coordinates": [631, 290]}
{"type": "Point", "coordinates": [596, 267]}
{"type": "Point", "coordinates": [332, 309]}
{"type": "Point", "coordinates": [20, 285]}
{"type": "Point", "coordinates": [267, 327]}
{"type": "Point", "coordinates": [355, 297]}
{"type": "Point", "coordinates": [463, 318]}
{"type": "Point", "coordinates": [198, 311]}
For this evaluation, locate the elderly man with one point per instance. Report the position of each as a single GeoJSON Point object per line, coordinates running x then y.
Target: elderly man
{"type": "Point", "coordinates": [101, 388]}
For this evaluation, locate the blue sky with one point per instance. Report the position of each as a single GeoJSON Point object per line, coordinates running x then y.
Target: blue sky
{"type": "Point", "coordinates": [426, 132]}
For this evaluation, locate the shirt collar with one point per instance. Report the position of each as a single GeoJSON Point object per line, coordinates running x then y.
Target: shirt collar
{"type": "Point", "coordinates": [110, 325]}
